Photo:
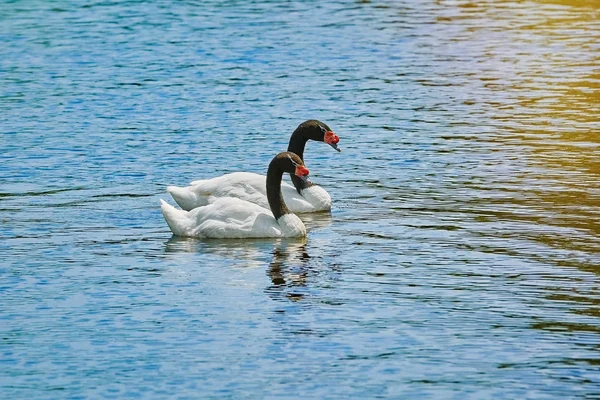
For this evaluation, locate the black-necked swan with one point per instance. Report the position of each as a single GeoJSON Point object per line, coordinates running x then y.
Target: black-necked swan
{"type": "Point", "coordinates": [230, 217]}
{"type": "Point", "coordinates": [304, 196]}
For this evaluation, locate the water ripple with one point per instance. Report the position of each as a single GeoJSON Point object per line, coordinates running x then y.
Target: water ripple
{"type": "Point", "coordinates": [460, 258]}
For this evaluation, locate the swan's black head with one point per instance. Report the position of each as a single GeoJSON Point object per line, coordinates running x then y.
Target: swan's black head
{"type": "Point", "coordinates": [290, 162]}
{"type": "Point", "coordinates": [318, 131]}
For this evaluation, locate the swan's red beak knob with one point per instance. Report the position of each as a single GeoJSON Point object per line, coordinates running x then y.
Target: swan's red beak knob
{"type": "Point", "coordinates": [301, 171]}
{"type": "Point", "coordinates": [332, 139]}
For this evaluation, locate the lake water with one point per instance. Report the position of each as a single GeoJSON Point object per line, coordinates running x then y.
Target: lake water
{"type": "Point", "coordinates": [461, 258]}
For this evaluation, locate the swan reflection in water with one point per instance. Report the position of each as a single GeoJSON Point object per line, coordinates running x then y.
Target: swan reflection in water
{"type": "Point", "coordinates": [287, 255]}
{"type": "Point", "coordinates": [257, 252]}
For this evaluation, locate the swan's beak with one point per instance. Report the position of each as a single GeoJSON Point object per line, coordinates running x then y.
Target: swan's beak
{"type": "Point", "coordinates": [332, 139]}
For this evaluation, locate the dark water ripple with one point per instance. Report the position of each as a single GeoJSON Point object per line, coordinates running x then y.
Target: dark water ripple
{"type": "Point", "coordinates": [461, 258]}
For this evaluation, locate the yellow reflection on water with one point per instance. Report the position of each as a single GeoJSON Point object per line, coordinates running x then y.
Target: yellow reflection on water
{"type": "Point", "coordinates": [532, 76]}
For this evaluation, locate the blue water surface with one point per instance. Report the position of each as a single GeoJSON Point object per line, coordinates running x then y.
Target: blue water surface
{"type": "Point", "coordinates": [461, 256]}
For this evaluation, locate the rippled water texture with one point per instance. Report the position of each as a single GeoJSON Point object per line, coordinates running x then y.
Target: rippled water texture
{"type": "Point", "coordinates": [461, 257]}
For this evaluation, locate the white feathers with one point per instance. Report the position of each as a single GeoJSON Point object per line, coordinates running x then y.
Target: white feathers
{"type": "Point", "coordinates": [244, 204]}
{"type": "Point", "coordinates": [250, 187]}
{"type": "Point", "coordinates": [313, 198]}
{"type": "Point", "coordinates": [228, 217]}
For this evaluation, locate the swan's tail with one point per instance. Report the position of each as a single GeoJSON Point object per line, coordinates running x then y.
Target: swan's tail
{"type": "Point", "coordinates": [178, 220]}
{"type": "Point", "coordinates": [187, 198]}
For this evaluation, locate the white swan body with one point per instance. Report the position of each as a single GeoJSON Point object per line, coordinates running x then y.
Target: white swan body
{"type": "Point", "coordinates": [250, 187]}
{"type": "Point", "coordinates": [231, 218]}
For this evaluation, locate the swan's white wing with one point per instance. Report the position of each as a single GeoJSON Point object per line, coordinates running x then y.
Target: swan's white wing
{"type": "Point", "coordinates": [232, 179]}
{"type": "Point", "coordinates": [250, 187]}
{"type": "Point", "coordinates": [317, 198]}
{"type": "Point", "coordinates": [242, 185]}
{"type": "Point", "coordinates": [226, 217]}
{"type": "Point", "coordinates": [312, 199]}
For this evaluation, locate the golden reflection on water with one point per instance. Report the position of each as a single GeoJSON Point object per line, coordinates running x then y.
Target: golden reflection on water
{"type": "Point", "coordinates": [573, 3]}
{"type": "Point", "coordinates": [542, 81]}
{"type": "Point", "coordinates": [534, 71]}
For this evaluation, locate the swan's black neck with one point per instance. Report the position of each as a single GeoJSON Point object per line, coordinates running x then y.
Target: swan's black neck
{"type": "Point", "coordinates": [299, 184]}
{"type": "Point", "coordinates": [297, 145]}
{"type": "Point", "coordinates": [274, 175]}
{"type": "Point", "coordinates": [298, 142]}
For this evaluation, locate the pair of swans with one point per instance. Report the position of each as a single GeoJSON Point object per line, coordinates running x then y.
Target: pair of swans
{"type": "Point", "coordinates": [237, 205]}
